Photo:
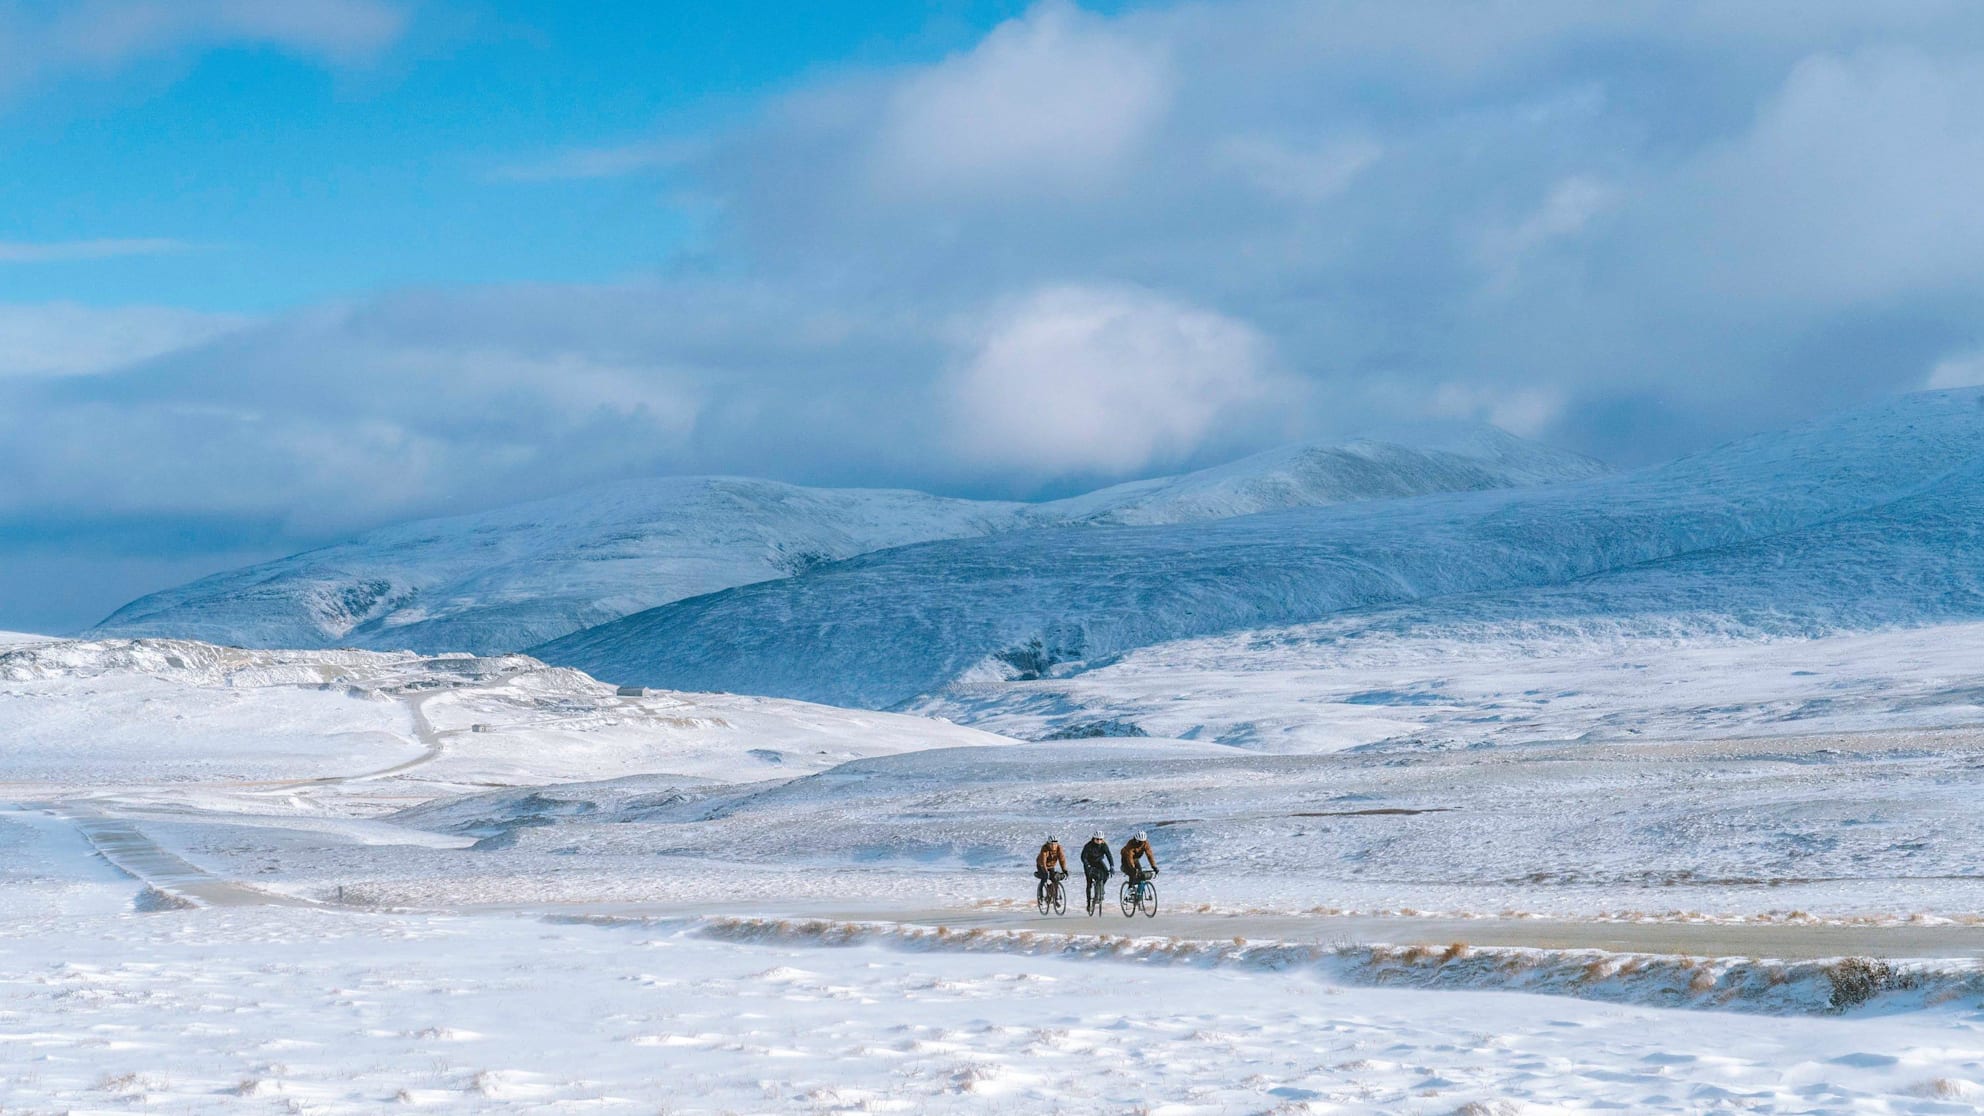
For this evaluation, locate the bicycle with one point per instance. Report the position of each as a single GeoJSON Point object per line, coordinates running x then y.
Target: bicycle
{"type": "Point", "coordinates": [1052, 895]}
{"type": "Point", "coordinates": [1098, 894]}
{"type": "Point", "coordinates": [1138, 895]}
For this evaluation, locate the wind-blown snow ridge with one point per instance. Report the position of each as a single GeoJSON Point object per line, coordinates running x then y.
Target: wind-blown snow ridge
{"type": "Point", "coordinates": [1738, 529]}
{"type": "Point", "coordinates": [504, 579]}
{"type": "Point", "coordinates": [1663, 980]}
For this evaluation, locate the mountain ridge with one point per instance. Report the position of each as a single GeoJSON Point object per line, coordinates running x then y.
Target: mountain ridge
{"type": "Point", "coordinates": [519, 575]}
{"type": "Point", "coordinates": [883, 629]}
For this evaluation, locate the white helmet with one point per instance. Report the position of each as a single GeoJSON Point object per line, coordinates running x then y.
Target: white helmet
{"type": "Point", "coordinates": [1051, 840]}
{"type": "Point", "coordinates": [1140, 836]}
{"type": "Point", "coordinates": [1098, 836]}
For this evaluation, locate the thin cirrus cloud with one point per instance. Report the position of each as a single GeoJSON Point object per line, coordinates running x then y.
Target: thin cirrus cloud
{"type": "Point", "coordinates": [66, 251]}
{"type": "Point", "coordinates": [582, 163]}
{"type": "Point", "coordinates": [40, 42]}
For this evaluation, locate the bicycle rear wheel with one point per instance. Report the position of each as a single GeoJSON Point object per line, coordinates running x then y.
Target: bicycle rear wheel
{"type": "Point", "coordinates": [1128, 897]}
{"type": "Point", "coordinates": [1040, 898]}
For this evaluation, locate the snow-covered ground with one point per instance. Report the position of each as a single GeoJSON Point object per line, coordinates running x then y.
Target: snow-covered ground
{"type": "Point", "coordinates": [263, 1009]}
{"type": "Point", "coordinates": [352, 879]}
{"type": "Point", "coordinates": [1362, 681]}
{"type": "Point", "coordinates": [179, 717]}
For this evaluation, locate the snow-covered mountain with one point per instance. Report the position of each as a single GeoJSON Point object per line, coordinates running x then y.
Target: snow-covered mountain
{"type": "Point", "coordinates": [1463, 458]}
{"type": "Point", "coordinates": [505, 578]}
{"type": "Point", "coordinates": [1863, 519]}
{"type": "Point", "coordinates": [515, 576]}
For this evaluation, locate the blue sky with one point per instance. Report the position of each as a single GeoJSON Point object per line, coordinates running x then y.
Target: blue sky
{"type": "Point", "coordinates": [276, 271]}
{"type": "Point", "coordinates": [427, 155]}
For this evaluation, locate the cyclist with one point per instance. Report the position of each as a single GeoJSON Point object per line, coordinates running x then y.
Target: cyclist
{"type": "Point", "coordinates": [1136, 848]}
{"type": "Point", "coordinates": [1050, 863]}
{"type": "Point", "coordinates": [1095, 868]}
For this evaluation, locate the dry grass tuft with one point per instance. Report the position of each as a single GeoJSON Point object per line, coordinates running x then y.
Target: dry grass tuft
{"type": "Point", "coordinates": [1856, 980]}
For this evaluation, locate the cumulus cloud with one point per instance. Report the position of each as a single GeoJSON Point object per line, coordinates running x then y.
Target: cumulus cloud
{"type": "Point", "coordinates": [1074, 379]}
{"type": "Point", "coordinates": [1055, 102]}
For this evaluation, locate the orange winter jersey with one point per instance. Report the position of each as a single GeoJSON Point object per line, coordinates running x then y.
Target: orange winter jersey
{"type": "Point", "coordinates": [1135, 849]}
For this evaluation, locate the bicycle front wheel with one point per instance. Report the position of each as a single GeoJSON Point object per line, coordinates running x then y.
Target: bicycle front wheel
{"type": "Point", "coordinates": [1150, 900]}
{"type": "Point", "coordinates": [1060, 899]}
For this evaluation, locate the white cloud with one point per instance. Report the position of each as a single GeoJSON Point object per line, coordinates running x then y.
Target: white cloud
{"type": "Point", "coordinates": [39, 40]}
{"type": "Point", "coordinates": [67, 339]}
{"type": "Point", "coordinates": [1053, 102]}
{"type": "Point", "coordinates": [1306, 174]}
{"type": "Point", "coordinates": [1634, 228]}
{"type": "Point", "coordinates": [581, 163]}
{"type": "Point", "coordinates": [1564, 213]}
{"type": "Point", "coordinates": [1959, 371]}
{"type": "Point", "coordinates": [336, 418]}
{"type": "Point", "coordinates": [1856, 182]}
{"type": "Point", "coordinates": [63, 251]}
{"type": "Point", "coordinates": [1082, 379]}
{"type": "Point", "coordinates": [1522, 411]}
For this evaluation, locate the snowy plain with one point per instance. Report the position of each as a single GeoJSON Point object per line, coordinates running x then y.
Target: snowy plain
{"type": "Point", "coordinates": [711, 903]}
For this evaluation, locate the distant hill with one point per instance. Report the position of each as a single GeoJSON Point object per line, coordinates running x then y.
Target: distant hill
{"type": "Point", "coordinates": [1862, 519]}
{"type": "Point", "coordinates": [1459, 459]}
{"type": "Point", "coordinates": [512, 577]}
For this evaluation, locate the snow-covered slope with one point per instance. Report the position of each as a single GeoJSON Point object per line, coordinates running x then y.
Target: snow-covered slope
{"type": "Point", "coordinates": [515, 576]}
{"type": "Point", "coordinates": [1460, 459]}
{"type": "Point", "coordinates": [358, 723]}
{"type": "Point", "coordinates": [1767, 526]}
{"type": "Point", "coordinates": [502, 579]}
